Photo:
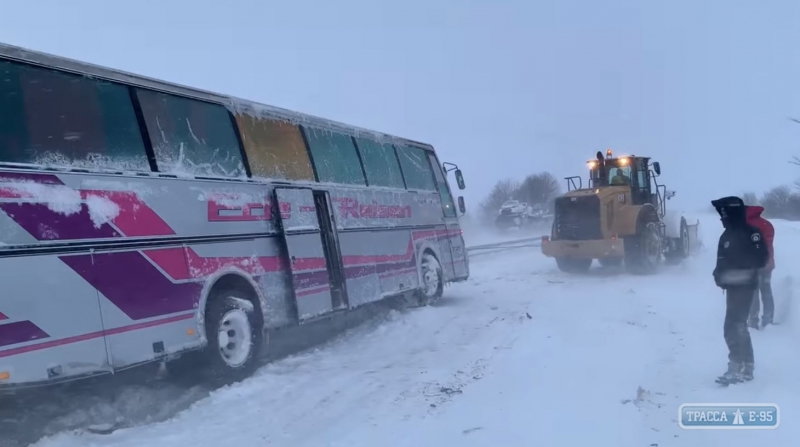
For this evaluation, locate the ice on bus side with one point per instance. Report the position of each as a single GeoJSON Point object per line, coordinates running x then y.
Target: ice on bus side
{"type": "Point", "coordinates": [93, 161]}
{"type": "Point", "coordinates": [101, 209]}
{"type": "Point", "coordinates": [62, 200]}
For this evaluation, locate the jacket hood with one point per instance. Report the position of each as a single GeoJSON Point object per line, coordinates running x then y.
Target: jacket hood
{"type": "Point", "coordinates": [731, 210]}
{"type": "Point", "coordinates": [754, 212]}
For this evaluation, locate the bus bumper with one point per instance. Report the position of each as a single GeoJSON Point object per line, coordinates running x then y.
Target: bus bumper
{"type": "Point", "coordinates": [594, 249]}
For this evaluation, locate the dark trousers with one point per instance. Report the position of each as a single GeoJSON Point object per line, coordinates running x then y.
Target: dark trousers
{"type": "Point", "coordinates": [737, 336]}
{"type": "Point", "coordinates": [765, 287]}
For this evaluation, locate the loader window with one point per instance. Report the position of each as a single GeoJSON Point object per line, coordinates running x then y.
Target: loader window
{"type": "Point", "coordinates": [619, 175]}
{"type": "Point", "coordinates": [641, 177]}
{"type": "Point", "coordinates": [641, 191]}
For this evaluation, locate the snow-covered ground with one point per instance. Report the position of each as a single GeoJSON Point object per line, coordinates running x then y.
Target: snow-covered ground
{"type": "Point", "coordinates": [521, 355]}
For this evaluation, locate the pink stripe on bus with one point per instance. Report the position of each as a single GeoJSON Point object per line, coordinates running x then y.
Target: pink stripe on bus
{"type": "Point", "coordinates": [135, 217]}
{"type": "Point", "coordinates": [93, 335]}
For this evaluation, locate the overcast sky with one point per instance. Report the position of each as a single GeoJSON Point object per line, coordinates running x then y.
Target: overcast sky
{"type": "Point", "coordinates": [503, 88]}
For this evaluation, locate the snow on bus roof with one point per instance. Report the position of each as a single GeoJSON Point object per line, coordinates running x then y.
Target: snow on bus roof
{"type": "Point", "coordinates": [234, 104]}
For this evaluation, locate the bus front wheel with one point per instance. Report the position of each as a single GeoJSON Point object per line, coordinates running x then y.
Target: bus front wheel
{"type": "Point", "coordinates": [431, 280]}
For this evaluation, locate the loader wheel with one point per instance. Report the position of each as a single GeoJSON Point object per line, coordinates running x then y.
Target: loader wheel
{"type": "Point", "coordinates": [643, 251]}
{"type": "Point", "coordinates": [610, 262]}
{"type": "Point", "coordinates": [684, 242]}
{"type": "Point", "coordinates": [681, 246]}
{"type": "Point", "coordinates": [571, 265]}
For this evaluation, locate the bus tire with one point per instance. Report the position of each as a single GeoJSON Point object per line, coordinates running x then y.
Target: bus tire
{"type": "Point", "coordinates": [234, 336]}
{"type": "Point", "coordinates": [431, 285]}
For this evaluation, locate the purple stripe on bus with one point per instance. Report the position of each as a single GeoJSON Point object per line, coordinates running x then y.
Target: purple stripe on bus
{"type": "Point", "coordinates": [20, 332]}
{"type": "Point", "coordinates": [361, 271]}
{"type": "Point", "coordinates": [306, 280]}
{"type": "Point", "coordinates": [392, 266]}
{"type": "Point", "coordinates": [134, 285]}
{"type": "Point", "coordinates": [45, 224]}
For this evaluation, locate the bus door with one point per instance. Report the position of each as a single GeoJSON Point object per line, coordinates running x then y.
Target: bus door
{"type": "Point", "coordinates": [312, 247]}
{"type": "Point", "coordinates": [451, 244]}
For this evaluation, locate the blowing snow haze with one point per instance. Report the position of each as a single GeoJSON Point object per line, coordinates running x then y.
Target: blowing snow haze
{"type": "Point", "coordinates": [503, 89]}
{"type": "Point", "coordinates": [217, 272]}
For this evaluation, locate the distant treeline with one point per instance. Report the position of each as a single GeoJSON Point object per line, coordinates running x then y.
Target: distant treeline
{"type": "Point", "coordinates": [781, 202]}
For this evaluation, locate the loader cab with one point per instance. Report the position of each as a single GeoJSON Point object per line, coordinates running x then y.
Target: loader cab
{"type": "Point", "coordinates": [630, 171]}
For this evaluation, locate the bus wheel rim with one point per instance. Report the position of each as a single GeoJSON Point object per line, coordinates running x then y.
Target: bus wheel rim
{"type": "Point", "coordinates": [235, 338]}
{"type": "Point", "coordinates": [431, 279]}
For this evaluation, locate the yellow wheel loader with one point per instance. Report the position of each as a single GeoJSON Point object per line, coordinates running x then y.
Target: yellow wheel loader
{"type": "Point", "coordinates": [619, 218]}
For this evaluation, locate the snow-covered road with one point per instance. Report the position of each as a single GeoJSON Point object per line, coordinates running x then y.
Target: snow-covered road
{"type": "Point", "coordinates": [519, 355]}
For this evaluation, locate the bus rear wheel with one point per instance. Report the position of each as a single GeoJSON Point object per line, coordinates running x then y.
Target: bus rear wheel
{"type": "Point", "coordinates": [234, 336]}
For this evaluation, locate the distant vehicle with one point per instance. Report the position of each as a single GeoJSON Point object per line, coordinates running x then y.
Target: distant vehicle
{"type": "Point", "coordinates": [140, 220]}
{"type": "Point", "coordinates": [620, 217]}
{"type": "Point", "coordinates": [540, 213]}
{"type": "Point", "coordinates": [514, 213]}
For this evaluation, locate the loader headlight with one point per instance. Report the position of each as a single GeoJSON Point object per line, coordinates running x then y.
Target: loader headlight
{"type": "Point", "coordinates": [623, 161]}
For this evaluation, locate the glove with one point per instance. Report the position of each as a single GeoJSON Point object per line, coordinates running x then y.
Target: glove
{"type": "Point", "coordinates": [716, 278]}
{"type": "Point", "coordinates": [770, 265]}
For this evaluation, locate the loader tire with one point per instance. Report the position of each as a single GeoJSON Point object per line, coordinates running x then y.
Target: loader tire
{"type": "Point", "coordinates": [681, 251]}
{"type": "Point", "coordinates": [643, 251]}
{"type": "Point", "coordinates": [572, 265]}
{"type": "Point", "coordinates": [610, 262]}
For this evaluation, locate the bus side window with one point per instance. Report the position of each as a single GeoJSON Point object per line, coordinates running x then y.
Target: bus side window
{"type": "Point", "coordinates": [49, 117]}
{"type": "Point", "coordinates": [416, 170]}
{"type": "Point", "coordinates": [275, 149]}
{"type": "Point", "coordinates": [191, 136]}
{"type": "Point", "coordinates": [448, 207]}
{"type": "Point", "coordinates": [380, 163]}
{"type": "Point", "coordinates": [334, 156]}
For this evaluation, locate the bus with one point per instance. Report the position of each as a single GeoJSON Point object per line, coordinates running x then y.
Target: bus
{"type": "Point", "coordinates": [141, 220]}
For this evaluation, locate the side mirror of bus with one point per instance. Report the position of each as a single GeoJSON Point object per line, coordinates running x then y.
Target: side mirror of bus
{"type": "Point", "coordinates": [657, 168]}
{"type": "Point", "coordinates": [460, 179]}
{"type": "Point", "coordinates": [461, 205]}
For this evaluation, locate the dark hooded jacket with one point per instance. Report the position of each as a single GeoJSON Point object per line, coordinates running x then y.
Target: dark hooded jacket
{"type": "Point", "coordinates": [742, 250]}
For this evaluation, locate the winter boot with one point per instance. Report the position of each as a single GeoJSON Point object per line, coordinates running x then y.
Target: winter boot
{"type": "Point", "coordinates": [734, 372]}
{"type": "Point", "coordinates": [747, 371]}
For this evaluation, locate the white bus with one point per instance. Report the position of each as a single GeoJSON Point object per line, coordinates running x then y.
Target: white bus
{"type": "Point", "coordinates": [141, 219]}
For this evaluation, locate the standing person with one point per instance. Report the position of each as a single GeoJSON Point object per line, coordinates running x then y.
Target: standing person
{"type": "Point", "coordinates": [764, 275]}
{"type": "Point", "coordinates": [741, 253]}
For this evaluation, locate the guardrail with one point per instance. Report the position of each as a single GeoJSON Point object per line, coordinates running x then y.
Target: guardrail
{"type": "Point", "coordinates": [505, 245]}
